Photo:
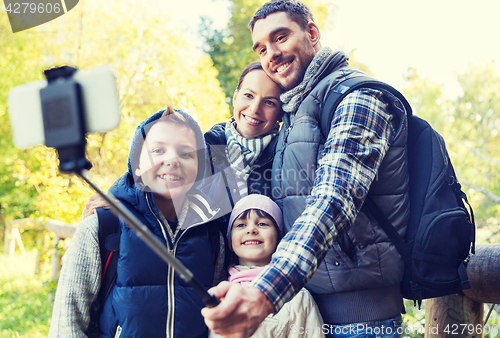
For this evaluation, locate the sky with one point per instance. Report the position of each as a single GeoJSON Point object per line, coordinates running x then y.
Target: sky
{"type": "Point", "coordinates": [439, 38]}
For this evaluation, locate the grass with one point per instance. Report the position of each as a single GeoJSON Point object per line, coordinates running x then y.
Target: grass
{"type": "Point", "coordinates": [26, 298]}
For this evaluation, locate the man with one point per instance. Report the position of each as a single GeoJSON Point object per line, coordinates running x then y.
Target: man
{"type": "Point", "coordinates": [321, 186]}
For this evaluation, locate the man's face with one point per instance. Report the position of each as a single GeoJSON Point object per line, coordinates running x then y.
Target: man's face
{"type": "Point", "coordinates": [284, 48]}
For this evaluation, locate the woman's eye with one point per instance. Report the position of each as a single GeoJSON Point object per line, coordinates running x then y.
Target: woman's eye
{"type": "Point", "coordinates": [248, 95]}
{"type": "Point", "coordinates": [261, 51]}
{"type": "Point", "coordinates": [271, 103]}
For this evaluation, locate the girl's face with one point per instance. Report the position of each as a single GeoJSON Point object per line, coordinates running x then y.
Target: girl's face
{"type": "Point", "coordinates": [168, 164]}
{"type": "Point", "coordinates": [257, 106]}
{"type": "Point", "coordinates": [254, 239]}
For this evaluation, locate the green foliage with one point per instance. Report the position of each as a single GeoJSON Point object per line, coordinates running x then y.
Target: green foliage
{"type": "Point", "coordinates": [413, 320]}
{"type": "Point", "coordinates": [476, 127]}
{"type": "Point", "coordinates": [231, 49]}
{"type": "Point", "coordinates": [155, 65]}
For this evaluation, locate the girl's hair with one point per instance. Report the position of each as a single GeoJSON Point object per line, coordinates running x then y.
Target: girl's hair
{"type": "Point", "coordinates": [250, 68]}
{"type": "Point", "coordinates": [169, 115]}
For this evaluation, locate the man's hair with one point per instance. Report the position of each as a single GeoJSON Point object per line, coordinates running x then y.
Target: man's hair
{"type": "Point", "coordinates": [295, 10]}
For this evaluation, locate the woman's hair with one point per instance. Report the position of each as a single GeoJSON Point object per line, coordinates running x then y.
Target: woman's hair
{"type": "Point", "coordinates": [250, 68]}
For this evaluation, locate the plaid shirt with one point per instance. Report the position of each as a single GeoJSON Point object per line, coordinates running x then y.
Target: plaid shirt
{"type": "Point", "coordinates": [358, 140]}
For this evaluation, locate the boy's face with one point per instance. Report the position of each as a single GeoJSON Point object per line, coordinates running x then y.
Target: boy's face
{"type": "Point", "coordinates": [284, 48]}
{"type": "Point", "coordinates": [168, 164]}
{"type": "Point", "coordinates": [254, 239]}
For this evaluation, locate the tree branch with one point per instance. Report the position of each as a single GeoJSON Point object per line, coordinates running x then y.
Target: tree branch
{"type": "Point", "coordinates": [491, 196]}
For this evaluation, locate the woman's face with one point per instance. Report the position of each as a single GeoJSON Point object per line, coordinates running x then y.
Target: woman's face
{"type": "Point", "coordinates": [257, 106]}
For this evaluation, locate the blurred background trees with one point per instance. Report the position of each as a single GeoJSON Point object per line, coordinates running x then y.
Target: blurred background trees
{"type": "Point", "coordinates": [156, 64]}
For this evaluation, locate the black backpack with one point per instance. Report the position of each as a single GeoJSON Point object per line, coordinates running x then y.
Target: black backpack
{"type": "Point", "coordinates": [440, 235]}
{"type": "Point", "coordinates": [109, 246]}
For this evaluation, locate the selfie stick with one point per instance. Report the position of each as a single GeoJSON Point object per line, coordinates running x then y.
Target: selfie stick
{"type": "Point", "coordinates": [147, 236]}
{"type": "Point", "coordinates": [64, 131]}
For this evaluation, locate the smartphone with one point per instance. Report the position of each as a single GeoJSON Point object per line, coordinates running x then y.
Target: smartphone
{"type": "Point", "coordinates": [99, 96]}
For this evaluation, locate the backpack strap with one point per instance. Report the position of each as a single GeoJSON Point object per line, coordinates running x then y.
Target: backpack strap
{"type": "Point", "coordinates": [334, 97]}
{"type": "Point", "coordinates": [109, 244]}
{"type": "Point", "coordinates": [340, 91]}
{"type": "Point", "coordinates": [386, 225]}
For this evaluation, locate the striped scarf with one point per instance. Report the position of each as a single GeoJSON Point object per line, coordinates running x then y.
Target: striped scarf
{"type": "Point", "coordinates": [323, 63]}
{"type": "Point", "coordinates": [242, 153]}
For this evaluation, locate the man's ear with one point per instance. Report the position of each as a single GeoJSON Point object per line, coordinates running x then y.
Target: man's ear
{"type": "Point", "coordinates": [314, 35]}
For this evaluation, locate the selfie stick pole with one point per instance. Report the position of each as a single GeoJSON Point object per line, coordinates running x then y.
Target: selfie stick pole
{"type": "Point", "coordinates": [147, 236]}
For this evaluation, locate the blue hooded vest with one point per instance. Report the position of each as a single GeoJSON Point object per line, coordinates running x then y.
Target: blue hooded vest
{"type": "Point", "coordinates": [148, 298]}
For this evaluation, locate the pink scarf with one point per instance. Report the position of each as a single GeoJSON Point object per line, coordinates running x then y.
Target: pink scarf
{"type": "Point", "coordinates": [244, 277]}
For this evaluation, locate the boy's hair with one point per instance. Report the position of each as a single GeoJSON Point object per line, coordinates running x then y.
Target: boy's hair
{"type": "Point", "coordinates": [169, 115]}
{"type": "Point", "coordinates": [295, 10]}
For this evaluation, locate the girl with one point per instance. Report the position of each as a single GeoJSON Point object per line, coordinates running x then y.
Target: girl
{"type": "Point", "coordinates": [254, 230]}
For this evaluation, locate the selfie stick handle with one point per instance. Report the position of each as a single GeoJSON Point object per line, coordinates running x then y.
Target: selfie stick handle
{"type": "Point", "coordinates": [147, 236]}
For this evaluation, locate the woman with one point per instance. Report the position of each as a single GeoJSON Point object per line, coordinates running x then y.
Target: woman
{"type": "Point", "coordinates": [246, 142]}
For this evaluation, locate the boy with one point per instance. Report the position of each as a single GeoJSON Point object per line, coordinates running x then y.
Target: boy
{"type": "Point", "coordinates": [148, 299]}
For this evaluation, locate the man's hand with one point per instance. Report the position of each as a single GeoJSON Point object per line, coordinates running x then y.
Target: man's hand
{"type": "Point", "coordinates": [240, 312]}
{"type": "Point", "coordinates": [95, 201]}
